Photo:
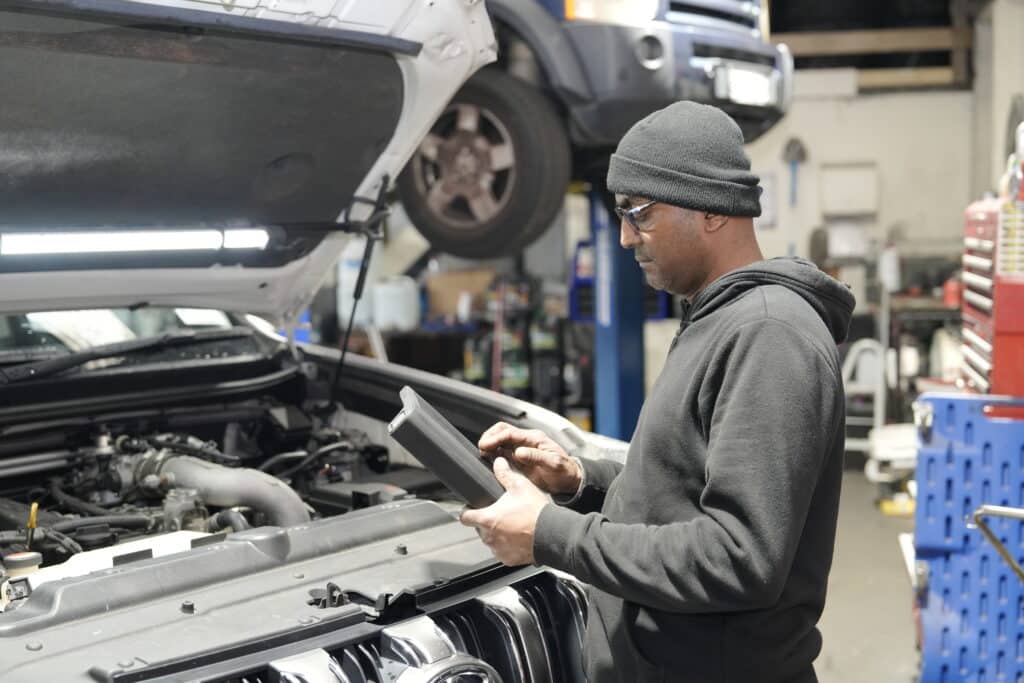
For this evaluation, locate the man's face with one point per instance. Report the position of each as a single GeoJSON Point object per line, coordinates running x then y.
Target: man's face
{"type": "Point", "coordinates": [668, 243]}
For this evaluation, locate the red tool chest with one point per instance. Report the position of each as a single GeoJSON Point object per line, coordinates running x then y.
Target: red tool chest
{"type": "Point", "coordinates": [993, 297]}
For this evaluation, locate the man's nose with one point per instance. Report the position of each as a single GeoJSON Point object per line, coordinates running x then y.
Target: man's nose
{"type": "Point", "coordinates": [627, 236]}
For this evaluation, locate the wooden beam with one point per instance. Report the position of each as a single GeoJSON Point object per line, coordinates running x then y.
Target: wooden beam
{"type": "Point", "coordinates": [823, 43]}
{"type": "Point", "coordinates": [916, 77]}
{"type": "Point", "coordinates": [958, 10]}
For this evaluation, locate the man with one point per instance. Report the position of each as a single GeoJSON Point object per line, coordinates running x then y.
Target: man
{"type": "Point", "coordinates": [708, 553]}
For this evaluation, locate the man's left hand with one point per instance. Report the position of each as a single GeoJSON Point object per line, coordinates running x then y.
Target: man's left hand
{"type": "Point", "coordinates": [507, 526]}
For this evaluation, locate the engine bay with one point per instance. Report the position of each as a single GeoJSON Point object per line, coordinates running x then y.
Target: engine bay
{"type": "Point", "coordinates": [231, 519]}
{"type": "Point", "coordinates": [148, 484]}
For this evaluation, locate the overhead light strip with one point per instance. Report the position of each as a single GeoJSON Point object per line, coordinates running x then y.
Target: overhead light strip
{"type": "Point", "coordinates": [130, 241]}
{"type": "Point", "coordinates": [251, 238]}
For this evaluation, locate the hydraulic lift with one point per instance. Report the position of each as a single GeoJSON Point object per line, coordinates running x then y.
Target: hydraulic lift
{"type": "Point", "coordinates": [619, 314]}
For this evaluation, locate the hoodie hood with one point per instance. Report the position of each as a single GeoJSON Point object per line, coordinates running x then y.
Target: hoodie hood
{"type": "Point", "coordinates": [831, 299]}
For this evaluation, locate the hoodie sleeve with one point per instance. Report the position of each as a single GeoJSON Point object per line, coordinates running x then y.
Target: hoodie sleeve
{"type": "Point", "coordinates": [777, 410]}
{"type": "Point", "coordinates": [598, 475]}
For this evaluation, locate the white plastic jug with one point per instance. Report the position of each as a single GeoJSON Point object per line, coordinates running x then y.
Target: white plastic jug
{"type": "Point", "coordinates": [396, 304]}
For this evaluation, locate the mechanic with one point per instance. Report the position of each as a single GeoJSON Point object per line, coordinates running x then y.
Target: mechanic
{"type": "Point", "coordinates": [708, 553]}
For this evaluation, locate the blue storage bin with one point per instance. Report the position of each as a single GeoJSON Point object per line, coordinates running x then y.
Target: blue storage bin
{"type": "Point", "coordinates": [972, 613]}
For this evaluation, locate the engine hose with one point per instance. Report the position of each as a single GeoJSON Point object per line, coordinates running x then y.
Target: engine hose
{"type": "Point", "coordinates": [280, 457]}
{"type": "Point", "coordinates": [77, 504]}
{"type": "Point", "coordinates": [187, 449]}
{"type": "Point", "coordinates": [324, 450]}
{"type": "Point", "coordinates": [13, 537]}
{"type": "Point", "coordinates": [42, 533]}
{"type": "Point", "coordinates": [228, 518]}
{"type": "Point", "coordinates": [60, 539]}
{"type": "Point", "coordinates": [228, 487]}
{"type": "Point", "coordinates": [120, 521]}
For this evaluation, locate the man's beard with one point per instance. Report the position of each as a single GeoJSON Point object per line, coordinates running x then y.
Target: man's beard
{"type": "Point", "coordinates": [653, 279]}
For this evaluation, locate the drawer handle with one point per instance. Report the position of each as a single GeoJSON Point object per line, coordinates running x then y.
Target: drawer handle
{"type": "Point", "coordinates": [972, 261]}
{"type": "Point", "coordinates": [978, 301]}
{"type": "Point", "coordinates": [976, 359]}
{"type": "Point", "coordinates": [976, 339]}
{"type": "Point", "coordinates": [978, 244]}
{"type": "Point", "coordinates": [977, 281]}
{"type": "Point", "coordinates": [977, 380]}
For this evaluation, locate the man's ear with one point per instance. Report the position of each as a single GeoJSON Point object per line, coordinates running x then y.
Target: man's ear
{"type": "Point", "coordinates": [714, 222]}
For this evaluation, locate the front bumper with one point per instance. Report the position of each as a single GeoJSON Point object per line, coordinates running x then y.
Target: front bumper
{"type": "Point", "coordinates": [296, 603]}
{"type": "Point", "coordinates": [634, 70]}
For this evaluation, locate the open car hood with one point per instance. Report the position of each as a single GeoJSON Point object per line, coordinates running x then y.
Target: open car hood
{"type": "Point", "coordinates": [209, 154]}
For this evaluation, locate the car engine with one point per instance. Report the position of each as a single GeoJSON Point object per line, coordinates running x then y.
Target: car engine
{"type": "Point", "coordinates": [256, 543]}
{"type": "Point", "coordinates": [123, 483]}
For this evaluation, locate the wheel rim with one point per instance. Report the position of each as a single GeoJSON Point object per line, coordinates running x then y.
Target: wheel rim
{"type": "Point", "coordinates": [465, 167]}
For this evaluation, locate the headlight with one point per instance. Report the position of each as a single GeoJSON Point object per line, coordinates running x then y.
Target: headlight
{"type": "Point", "coordinates": [612, 11]}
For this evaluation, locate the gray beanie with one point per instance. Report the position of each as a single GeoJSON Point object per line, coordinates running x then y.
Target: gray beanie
{"type": "Point", "coordinates": [689, 155]}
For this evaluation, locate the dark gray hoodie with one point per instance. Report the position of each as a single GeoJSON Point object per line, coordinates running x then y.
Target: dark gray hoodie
{"type": "Point", "coordinates": [708, 553]}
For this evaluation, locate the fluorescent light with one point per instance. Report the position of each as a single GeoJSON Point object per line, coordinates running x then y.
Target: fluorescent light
{"type": "Point", "coordinates": [108, 242]}
{"type": "Point", "coordinates": [246, 239]}
{"type": "Point", "coordinates": [113, 242]}
{"type": "Point", "coordinates": [203, 317]}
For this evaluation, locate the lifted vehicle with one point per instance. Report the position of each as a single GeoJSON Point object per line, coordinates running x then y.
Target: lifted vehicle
{"type": "Point", "coordinates": [571, 78]}
{"type": "Point", "coordinates": [185, 495]}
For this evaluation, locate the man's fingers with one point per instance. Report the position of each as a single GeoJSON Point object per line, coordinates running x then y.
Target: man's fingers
{"type": "Point", "coordinates": [504, 434]}
{"type": "Point", "coordinates": [494, 436]}
{"type": "Point", "coordinates": [525, 455]}
{"type": "Point", "coordinates": [494, 429]}
{"type": "Point", "coordinates": [504, 474]}
{"type": "Point", "coordinates": [471, 517]}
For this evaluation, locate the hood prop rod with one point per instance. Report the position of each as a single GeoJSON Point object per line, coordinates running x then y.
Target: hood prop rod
{"type": "Point", "coordinates": [371, 228]}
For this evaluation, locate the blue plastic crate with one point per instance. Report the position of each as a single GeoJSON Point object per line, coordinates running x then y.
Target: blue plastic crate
{"type": "Point", "coordinates": [303, 331]}
{"type": "Point", "coordinates": [968, 459]}
{"type": "Point", "coordinates": [972, 614]}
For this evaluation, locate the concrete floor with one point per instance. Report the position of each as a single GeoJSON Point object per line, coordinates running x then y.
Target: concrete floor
{"type": "Point", "coordinates": [867, 626]}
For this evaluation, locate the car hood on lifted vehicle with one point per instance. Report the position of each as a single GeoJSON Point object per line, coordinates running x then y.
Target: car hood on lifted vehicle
{"type": "Point", "coordinates": [208, 154]}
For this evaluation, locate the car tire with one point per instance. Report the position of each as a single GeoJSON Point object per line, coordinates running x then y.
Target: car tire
{"type": "Point", "coordinates": [491, 175]}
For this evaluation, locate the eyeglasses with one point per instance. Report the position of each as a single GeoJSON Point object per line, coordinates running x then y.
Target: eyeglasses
{"type": "Point", "coordinates": [632, 215]}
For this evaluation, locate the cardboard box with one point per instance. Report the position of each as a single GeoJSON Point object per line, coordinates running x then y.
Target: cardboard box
{"type": "Point", "coordinates": [444, 290]}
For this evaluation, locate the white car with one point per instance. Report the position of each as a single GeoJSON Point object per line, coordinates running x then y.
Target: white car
{"type": "Point", "coordinates": [184, 495]}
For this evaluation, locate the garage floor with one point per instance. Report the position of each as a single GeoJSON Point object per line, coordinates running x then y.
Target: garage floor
{"type": "Point", "coordinates": [867, 625]}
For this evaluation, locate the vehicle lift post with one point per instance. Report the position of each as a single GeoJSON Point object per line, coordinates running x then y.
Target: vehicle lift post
{"type": "Point", "coordinates": [618, 327]}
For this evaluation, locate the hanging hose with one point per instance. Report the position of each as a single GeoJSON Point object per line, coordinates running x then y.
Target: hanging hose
{"type": "Point", "coordinates": [281, 457]}
{"type": "Point", "coordinates": [313, 456]}
{"type": "Point", "coordinates": [119, 521]}
{"type": "Point", "coordinates": [205, 452]}
{"type": "Point", "coordinates": [73, 503]}
{"type": "Point", "coordinates": [42, 533]}
{"type": "Point", "coordinates": [228, 518]}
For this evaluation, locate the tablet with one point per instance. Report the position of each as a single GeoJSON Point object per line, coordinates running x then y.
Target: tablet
{"type": "Point", "coordinates": [443, 450]}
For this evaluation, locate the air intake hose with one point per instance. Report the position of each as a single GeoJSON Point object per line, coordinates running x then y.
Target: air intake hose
{"type": "Point", "coordinates": [229, 486]}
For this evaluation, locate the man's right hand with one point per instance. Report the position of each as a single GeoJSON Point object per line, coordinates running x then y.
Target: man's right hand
{"type": "Point", "coordinates": [535, 455]}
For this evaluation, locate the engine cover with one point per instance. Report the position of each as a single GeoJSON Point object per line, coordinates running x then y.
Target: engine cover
{"type": "Point", "coordinates": [176, 606]}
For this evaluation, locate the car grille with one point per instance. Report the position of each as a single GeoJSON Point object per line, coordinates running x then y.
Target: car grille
{"type": "Point", "coordinates": [706, 50]}
{"type": "Point", "coordinates": [529, 632]}
{"type": "Point", "coordinates": [739, 16]}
